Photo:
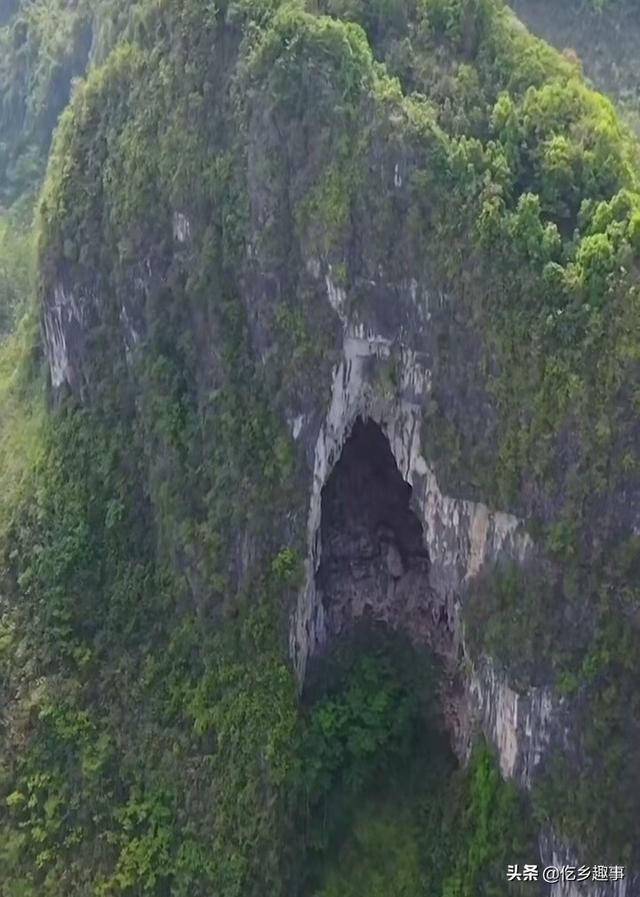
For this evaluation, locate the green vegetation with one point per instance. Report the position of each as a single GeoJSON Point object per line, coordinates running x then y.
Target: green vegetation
{"type": "Point", "coordinates": [511, 618]}
{"type": "Point", "coordinates": [16, 271]}
{"type": "Point", "coordinates": [45, 46]}
{"type": "Point", "coordinates": [448, 837]}
{"type": "Point", "coordinates": [571, 627]}
{"type": "Point", "coordinates": [388, 809]}
{"type": "Point", "coordinates": [152, 522]}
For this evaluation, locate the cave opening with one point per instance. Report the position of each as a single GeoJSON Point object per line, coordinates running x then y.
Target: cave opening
{"type": "Point", "coordinates": [389, 808]}
{"type": "Point", "coordinates": [378, 753]}
{"type": "Point", "coordinates": [374, 564]}
{"type": "Point", "coordinates": [374, 575]}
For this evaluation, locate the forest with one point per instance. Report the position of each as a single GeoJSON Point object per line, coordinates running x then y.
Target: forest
{"type": "Point", "coordinates": [154, 739]}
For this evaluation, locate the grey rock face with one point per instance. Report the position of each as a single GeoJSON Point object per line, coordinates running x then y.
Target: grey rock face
{"type": "Point", "coordinates": [418, 582]}
{"type": "Point", "coordinates": [554, 853]}
{"type": "Point", "coordinates": [387, 365]}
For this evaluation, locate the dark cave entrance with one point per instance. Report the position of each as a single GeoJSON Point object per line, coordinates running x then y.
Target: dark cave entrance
{"type": "Point", "coordinates": [375, 703]}
{"type": "Point", "coordinates": [374, 564]}
{"type": "Point", "coordinates": [386, 715]}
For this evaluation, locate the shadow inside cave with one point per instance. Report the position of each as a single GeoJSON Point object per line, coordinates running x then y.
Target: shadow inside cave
{"type": "Point", "coordinates": [386, 723]}
{"type": "Point", "coordinates": [374, 563]}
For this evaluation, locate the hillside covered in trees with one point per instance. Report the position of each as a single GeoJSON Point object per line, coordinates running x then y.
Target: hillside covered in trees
{"type": "Point", "coordinates": [604, 35]}
{"type": "Point", "coordinates": [246, 650]}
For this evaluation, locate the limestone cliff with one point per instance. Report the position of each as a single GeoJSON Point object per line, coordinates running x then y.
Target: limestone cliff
{"type": "Point", "coordinates": [460, 537]}
{"type": "Point", "coordinates": [356, 286]}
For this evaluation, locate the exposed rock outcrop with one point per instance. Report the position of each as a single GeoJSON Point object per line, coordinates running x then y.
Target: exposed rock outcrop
{"type": "Point", "coordinates": [402, 343]}
{"type": "Point", "coordinates": [459, 538]}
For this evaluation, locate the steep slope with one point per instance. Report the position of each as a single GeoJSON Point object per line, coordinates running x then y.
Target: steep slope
{"type": "Point", "coordinates": [266, 229]}
{"type": "Point", "coordinates": [45, 45]}
{"type": "Point", "coordinates": [604, 34]}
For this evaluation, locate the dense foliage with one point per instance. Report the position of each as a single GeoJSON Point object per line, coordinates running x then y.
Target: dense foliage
{"type": "Point", "coordinates": [16, 271]}
{"type": "Point", "coordinates": [45, 45]}
{"type": "Point", "coordinates": [152, 741]}
{"type": "Point", "coordinates": [389, 810]}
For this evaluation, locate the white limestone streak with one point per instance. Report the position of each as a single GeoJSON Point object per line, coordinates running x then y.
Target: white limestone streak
{"type": "Point", "coordinates": [554, 852]}
{"type": "Point", "coordinates": [350, 397]}
{"type": "Point", "coordinates": [337, 297]}
{"type": "Point", "coordinates": [181, 228]}
{"type": "Point", "coordinates": [60, 311]}
{"type": "Point", "coordinates": [296, 425]}
{"type": "Point", "coordinates": [461, 536]}
{"type": "Point", "coordinates": [518, 724]}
